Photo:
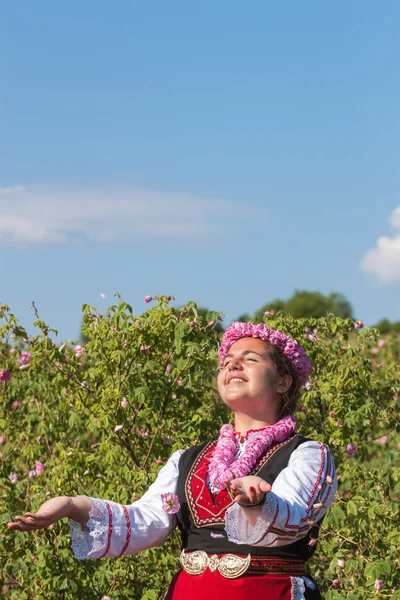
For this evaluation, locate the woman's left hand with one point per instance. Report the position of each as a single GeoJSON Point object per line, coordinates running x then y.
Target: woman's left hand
{"type": "Point", "coordinates": [248, 490]}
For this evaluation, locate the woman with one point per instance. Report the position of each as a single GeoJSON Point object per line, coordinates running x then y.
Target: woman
{"type": "Point", "coordinates": [248, 505]}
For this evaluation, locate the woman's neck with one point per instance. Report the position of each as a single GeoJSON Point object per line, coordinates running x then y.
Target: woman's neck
{"type": "Point", "coordinates": [245, 422]}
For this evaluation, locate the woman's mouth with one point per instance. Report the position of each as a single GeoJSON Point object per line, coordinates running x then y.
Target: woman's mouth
{"type": "Point", "coordinates": [236, 380]}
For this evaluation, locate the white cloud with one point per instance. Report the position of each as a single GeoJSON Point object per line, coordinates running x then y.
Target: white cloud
{"type": "Point", "coordinates": [55, 215]}
{"type": "Point", "coordinates": [383, 262]}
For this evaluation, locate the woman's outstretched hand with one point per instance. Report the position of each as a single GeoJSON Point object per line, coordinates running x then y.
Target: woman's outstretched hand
{"type": "Point", "coordinates": [50, 512]}
{"type": "Point", "coordinates": [248, 490]}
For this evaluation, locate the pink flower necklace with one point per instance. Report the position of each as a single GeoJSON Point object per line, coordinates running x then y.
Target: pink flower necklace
{"type": "Point", "coordinates": [223, 466]}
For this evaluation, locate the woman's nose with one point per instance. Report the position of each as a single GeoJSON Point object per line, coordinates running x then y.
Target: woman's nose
{"type": "Point", "coordinates": [235, 364]}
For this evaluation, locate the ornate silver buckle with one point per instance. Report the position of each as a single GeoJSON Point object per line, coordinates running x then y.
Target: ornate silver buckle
{"type": "Point", "coordinates": [229, 565]}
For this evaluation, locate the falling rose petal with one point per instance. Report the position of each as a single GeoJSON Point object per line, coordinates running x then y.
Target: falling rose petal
{"type": "Point", "coordinates": [118, 428]}
{"type": "Point", "coordinates": [103, 296]}
{"type": "Point", "coordinates": [216, 535]}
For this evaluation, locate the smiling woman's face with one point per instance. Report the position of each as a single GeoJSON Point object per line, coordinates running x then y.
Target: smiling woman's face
{"type": "Point", "coordinates": [248, 373]}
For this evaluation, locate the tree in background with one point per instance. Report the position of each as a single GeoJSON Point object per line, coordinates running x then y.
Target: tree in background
{"type": "Point", "coordinates": [385, 326]}
{"type": "Point", "coordinates": [307, 305]}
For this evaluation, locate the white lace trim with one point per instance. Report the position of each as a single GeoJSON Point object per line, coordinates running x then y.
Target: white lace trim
{"type": "Point", "coordinates": [98, 530]}
{"type": "Point", "coordinates": [237, 526]}
{"type": "Point", "coordinates": [298, 588]}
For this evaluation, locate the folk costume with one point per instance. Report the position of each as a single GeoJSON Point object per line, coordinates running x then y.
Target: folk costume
{"type": "Point", "coordinates": [222, 553]}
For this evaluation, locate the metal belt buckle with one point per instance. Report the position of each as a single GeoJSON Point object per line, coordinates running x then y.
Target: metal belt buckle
{"type": "Point", "coordinates": [229, 566]}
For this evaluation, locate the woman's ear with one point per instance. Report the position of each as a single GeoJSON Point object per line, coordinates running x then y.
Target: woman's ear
{"type": "Point", "coordinates": [284, 383]}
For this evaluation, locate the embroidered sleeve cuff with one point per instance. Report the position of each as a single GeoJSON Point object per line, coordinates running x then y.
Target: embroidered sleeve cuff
{"type": "Point", "coordinates": [239, 530]}
{"type": "Point", "coordinates": [107, 532]}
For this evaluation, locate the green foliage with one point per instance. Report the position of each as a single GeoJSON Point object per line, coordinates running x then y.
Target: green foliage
{"type": "Point", "coordinates": [385, 326]}
{"type": "Point", "coordinates": [305, 304]}
{"type": "Point", "coordinates": [61, 408]}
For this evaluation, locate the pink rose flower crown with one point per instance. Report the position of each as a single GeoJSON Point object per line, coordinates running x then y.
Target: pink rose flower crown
{"type": "Point", "coordinates": [289, 347]}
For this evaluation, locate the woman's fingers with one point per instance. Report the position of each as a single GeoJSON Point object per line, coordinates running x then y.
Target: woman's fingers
{"type": "Point", "coordinates": [265, 487]}
{"type": "Point", "coordinates": [28, 523]}
{"type": "Point", "coordinates": [37, 516]}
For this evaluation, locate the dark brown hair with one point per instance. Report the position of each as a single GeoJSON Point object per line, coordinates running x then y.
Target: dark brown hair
{"type": "Point", "coordinates": [284, 367]}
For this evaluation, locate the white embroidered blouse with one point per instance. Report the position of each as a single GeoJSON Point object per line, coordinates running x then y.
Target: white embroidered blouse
{"type": "Point", "coordinates": [300, 496]}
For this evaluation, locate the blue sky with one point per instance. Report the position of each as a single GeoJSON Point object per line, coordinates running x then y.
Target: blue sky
{"type": "Point", "coordinates": [221, 152]}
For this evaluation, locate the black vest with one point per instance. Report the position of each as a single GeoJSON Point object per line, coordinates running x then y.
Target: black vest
{"type": "Point", "coordinates": [201, 530]}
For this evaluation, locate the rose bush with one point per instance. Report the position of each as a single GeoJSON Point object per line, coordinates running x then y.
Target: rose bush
{"type": "Point", "coordinates": [99, 419]}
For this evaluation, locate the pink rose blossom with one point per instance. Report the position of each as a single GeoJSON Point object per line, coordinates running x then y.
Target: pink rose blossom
{"type": "Point", "coordinates": [312, 542]}
{"type": "Point", "coordinates": [383, 440]}
{"type": "Point", "coordinates": [32, 473]}
{"type": "Point", "coordinates": [5, 375]}
{"type": "Point", "coordinates": [378, 585]}
{"type": "Point", "coordinates": [396, 397]}
{"type": "Point", "coordinates": [191, 324]}
{"type": "Point", "coordinates": [144, 348]}
{"type": "Point", "coordinates": [13, 478]}
{"type": "Point", "coordinates": [341, 563]}
{"type": "Point", "coordinates": [332, 415]}
{"type": "Point", "coordinates": [57, 364]}
{"type": "Point", "coordinates": [340, 423]}
{"type": "Point", "coordinates": [358, 324]}
{"type": "Point", "coordinates": [39, 467]}
{"type": "Point", "coordinates": [2, 439]}
{"type": "Point", "coordinates": [78, 350]}
{"type": "Point", "coordinates": [381, 343]}
{"type": "Point", "coordinates": [170, 503]}
{"type": "Point", "coordinates": [374, 351]}
{"type": "Point", "coordinates": [106, 598]}
{"type": "Point", "coordinates": [16, 405]}
{"type": "Point", "coordinates": [173, 396]}
{"type": "Point", "coordinates": [351, 449]}
{"type": "Point", "coordinates": [12, 350]}
{"type": "Point", "coordinates": [303, 409]}
{"type": "Point", "coordinates": [158, 461]}
{"type": "Point", "coordinates": [148, 299]}
{"type": "Point", "coordinates": [179, 382]}
{"type": "Point", "coordinates": [336, 583]}
{"type": "Point", "coordinates": [24, 358]}
{"type": "Point", "coordinates": [168, 368]}
{"type": "Point", "coordinates": [211, 323]}
{"type": "Point", "coordinates": [39, 437]}
{"type": "Point", "coordinates": [124, 402]}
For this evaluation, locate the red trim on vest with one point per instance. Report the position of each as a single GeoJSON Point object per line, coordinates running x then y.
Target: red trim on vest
{"type": "Point", "coordinates": [206, 509]}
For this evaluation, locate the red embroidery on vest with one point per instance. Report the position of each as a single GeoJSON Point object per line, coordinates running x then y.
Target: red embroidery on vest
{"type": "Point", "coordinates": [206, 509]}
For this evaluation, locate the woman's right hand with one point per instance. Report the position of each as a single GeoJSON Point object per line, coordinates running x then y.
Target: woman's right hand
{"type": "Point", "coordinates": [50, 512]}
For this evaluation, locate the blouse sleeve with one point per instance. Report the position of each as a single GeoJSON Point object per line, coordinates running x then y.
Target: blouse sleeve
{"type": "Point", "coordinates": [115, 530]}
{"type": "Point", "coordinates": [299, 497]}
